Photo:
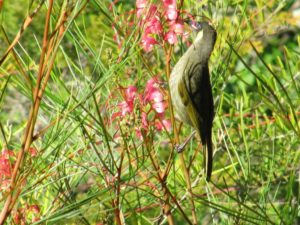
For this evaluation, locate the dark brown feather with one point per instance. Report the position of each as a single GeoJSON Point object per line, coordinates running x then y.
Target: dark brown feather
{"type": "Point", "coordinates": [199, 88]}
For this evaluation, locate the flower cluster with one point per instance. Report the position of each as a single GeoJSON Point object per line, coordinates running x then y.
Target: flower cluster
{"type": "Point", "coordinates": [142, 105]}
{"type": "Point", "coordinates": [7, 163]}
{"type": "Point", "coordinates": [161, 21]}
{"type": "Point", "coordinates": [7, 159]}
{"type": "Point", "coordinates": [27, 215]}
{"type": "Point", "coordinates": [23, 215]}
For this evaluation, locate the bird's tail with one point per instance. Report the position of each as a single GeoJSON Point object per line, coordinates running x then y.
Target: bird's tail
{"type": "Point", "coordinates": [208, 158]}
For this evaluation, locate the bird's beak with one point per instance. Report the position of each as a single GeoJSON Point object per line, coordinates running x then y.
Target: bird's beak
{"type": "Point", "coordinates": [196, 26]}
{"type": "Point", "coordinates": [193, 25]}
{"type": "Point", "coordinates": [194, 29]}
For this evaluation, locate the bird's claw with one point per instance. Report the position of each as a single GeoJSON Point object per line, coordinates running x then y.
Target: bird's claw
{"type": "Point", "coordinates": [179, 147]}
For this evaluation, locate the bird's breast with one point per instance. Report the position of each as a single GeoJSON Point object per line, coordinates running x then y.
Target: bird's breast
{"type": "Point", "coordinates": [179, 106]}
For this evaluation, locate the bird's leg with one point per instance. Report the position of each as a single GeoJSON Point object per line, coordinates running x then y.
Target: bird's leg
{"type": "Point", "coordinates": [180, 147]}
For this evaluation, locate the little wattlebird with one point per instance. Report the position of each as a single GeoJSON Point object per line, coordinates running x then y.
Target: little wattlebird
{"type": "Point", "coordinates": [191, 90]}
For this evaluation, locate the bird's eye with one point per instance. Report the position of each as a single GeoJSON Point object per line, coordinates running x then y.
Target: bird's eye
{"type": "Point", "coordinates": [196, 25]}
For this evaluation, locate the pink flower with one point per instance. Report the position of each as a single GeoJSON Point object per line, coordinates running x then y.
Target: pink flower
{"type": "Point", "coordinates": [32, 151]}
{"type": "Point", "coordinates": [17, 217]}
{"type": "Point", "coordinates": [152, 86]}
{"type": "Point", "coordinates": [154, 26]}
{"type": "Point", "coordinates": [171, 13]}
{"type": "Point", "coordinates": [126, 107]}
{"type": "Point", "coordinates": [4, 184]}
{"type": "Point", "coordinates": [152, 11]}
{"type": "Point", "coordinates": [148, 43]}
{"type": "Point", "coordinates": [141, 9]}
{"type": "Point", "coordinates": [170, 9]}
{"type": "Point", "coordinates": [34, 208]}
{"type": "Point", "coordinates": [170, 3]}
{"type": "Point", "coordinates": [159, 107]}
{"type": "Point", "coordinates": [152, 83]}
{"type": "Point", "coordinates": [5, 164]}
{"type": "Point", "coordinates": [5, 167]}
{"type": "Point", "coordinates": [115, 115]}
{"type": "Point", "coordinates": [177, 27]}
{"type": "Point", "coordinates": [171, 37]}
{"type": "Point", "coordinates": [140, 4]}
{"type": "Point", "coordinates": [167, 124]}
{"type": "Point", "coordinates": [154, 96]}
{"type": "Point", "coordinates": [131, 93]}
{"type": "Point", "coordinates": [163, 124]}
{"type": "Point", "coordinates": [139, 12]}
{"type": "Point", "coordinates": [7, 154]}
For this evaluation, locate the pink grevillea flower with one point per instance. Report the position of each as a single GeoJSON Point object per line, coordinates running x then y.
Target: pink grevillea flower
{"type": "Point", "coordinates": [7, 159]}
{"type": "Point", "coordinates": [131, 93]}
{"type": "Point", "coordinates": [18, 218]}
{"type": "Point", "coordinates": [151, 87]}
{"type": "Point", "coordinates": [171, 37]}
{"type": "Point", "coordinates": [125, 107]}
{"type": "Point", "coordinates": [170, 9]}
{"type": "Point", "coordinates": [151, 22]}
{"type": "Point", "coordinates": [159, 107]}
{"type": "Point", "coordinates": [128, 105]}
{"type": "Point", "coordinates": [160, 22]}
{"type": "Point", "coordinates": [148, 43]}
{"type": "Point", "coordinates": [142, 9]}
{"type": "Point", "coordinates": [177, 27]}
{"type": "Point", "coordinates": [152, 12]}
{"type": "Point", "coordinates": [135, 102]}
{"type": "Point", "coordinates": [5, 164]}
{"type": "Point", "coordinates": [171, 14]}
{"type": "Point", "coordinates": [154, 96]}
{"type": "Point", "coordinates": [163, 124]}
{"type": "Point", "coordinates": [154, 26]}
{"type": "Point", "coordinates": [153, 83]}
{"type": "Point", "coordinates": [4, 183]}
{"type": "Point", "coordinates": [169, 3]}
{"type": "Point", "coordinates": [32, 151]}
{"type": "Point", "coordinates": [140, 4]}
{"type": "Point", "coordinates": [26, 215]}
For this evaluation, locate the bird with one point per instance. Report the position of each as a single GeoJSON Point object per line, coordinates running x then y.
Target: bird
{"type": "Point", "coordinates": [191, 90]}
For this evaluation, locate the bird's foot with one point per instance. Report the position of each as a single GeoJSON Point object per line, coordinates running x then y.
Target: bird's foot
{"type": "Point", "coordinates": [180, 147]}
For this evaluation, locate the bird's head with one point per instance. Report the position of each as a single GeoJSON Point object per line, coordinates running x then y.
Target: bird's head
{"type": "Point", "coordinates": [204, 30]}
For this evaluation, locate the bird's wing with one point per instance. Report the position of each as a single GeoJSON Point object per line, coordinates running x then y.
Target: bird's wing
{"type": "Point", "coordinates": [199, 105]}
